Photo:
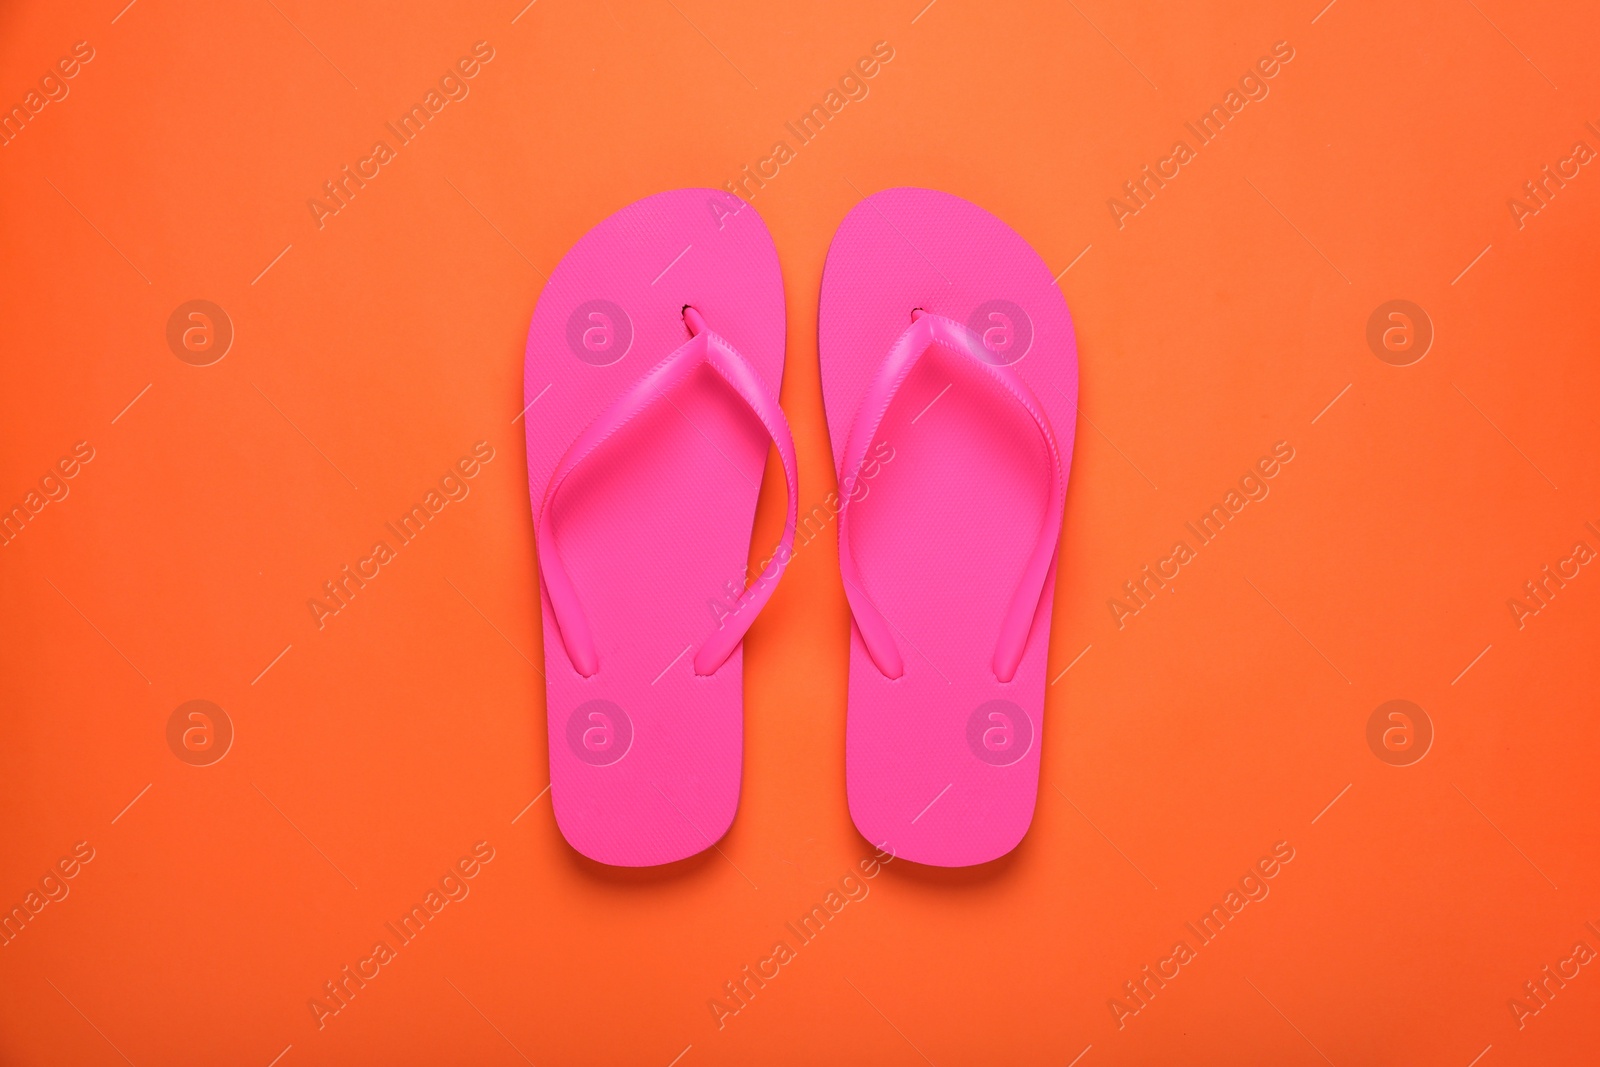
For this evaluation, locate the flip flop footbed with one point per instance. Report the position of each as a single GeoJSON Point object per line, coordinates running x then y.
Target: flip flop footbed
{"type": "Point", "coordinates": [654, 526]}
{"type": "Point", "coordinates": [942, 763]}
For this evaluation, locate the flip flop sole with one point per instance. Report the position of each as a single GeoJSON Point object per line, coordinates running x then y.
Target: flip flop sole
{"type": "Point", "coordinates": [942, 764]}
{"type": "Point", "coordinates": [654, 527]}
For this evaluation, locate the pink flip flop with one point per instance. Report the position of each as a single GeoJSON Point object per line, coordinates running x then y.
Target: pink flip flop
{"type": "Point", "coordinates": [651, 381]}
{"type": "Point", "coordinates": [946, 348]}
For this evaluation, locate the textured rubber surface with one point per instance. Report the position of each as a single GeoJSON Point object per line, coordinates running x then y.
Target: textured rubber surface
{"type": "Point", "coordinates": [654, 526]}
{"type": "Point", "coordinates": [943, 763]}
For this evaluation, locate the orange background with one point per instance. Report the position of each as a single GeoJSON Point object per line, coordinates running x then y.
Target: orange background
{"type": "Point", "coordinates": [1180, 748]}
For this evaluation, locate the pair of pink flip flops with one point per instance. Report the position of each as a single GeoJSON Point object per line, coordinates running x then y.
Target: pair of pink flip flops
{"type": "Point", "coordinates": [655, 357]}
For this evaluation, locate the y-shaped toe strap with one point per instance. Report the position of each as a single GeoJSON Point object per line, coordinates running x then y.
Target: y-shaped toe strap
{"type": "Point", "coordinates": [703, 347]}
{"type": "Point", "coordinates": [924, 332]}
